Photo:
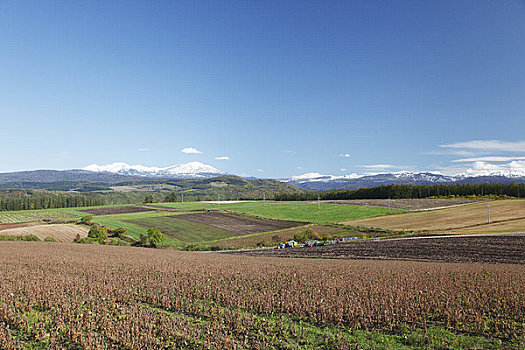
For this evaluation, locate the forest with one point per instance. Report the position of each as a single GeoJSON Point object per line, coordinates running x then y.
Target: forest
{"type": "Point", "coordinates": [411, 191]}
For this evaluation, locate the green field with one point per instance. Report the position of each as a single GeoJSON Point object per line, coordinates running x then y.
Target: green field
{"type": "Point", "coordinates": [182, 230]}
{"type": "Point", "coordinates": [305, 212]}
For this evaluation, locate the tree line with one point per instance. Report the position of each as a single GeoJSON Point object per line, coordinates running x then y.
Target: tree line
{"type": "Point", "coordinates": [27, 200]}
{"type": "Point", "coordinates": [411, 191]}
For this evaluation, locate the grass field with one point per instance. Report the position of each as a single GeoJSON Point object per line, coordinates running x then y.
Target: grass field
{"type": "Point", "coordinates": [300, 211]}
{"type": "Point", "coordinates": [182, 230]}
{"type": "Point", "coordinates": [505, 215]}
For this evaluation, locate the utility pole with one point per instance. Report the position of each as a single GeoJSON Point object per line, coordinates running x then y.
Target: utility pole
{"type": "Point", "coordinates": [264, 197]}
{"type": "Point", "coordinates": [182, 197]}
{"type": "Point", "coordinates": [389, 204]}
{"type": "Point", "coordinates": [489, 214]}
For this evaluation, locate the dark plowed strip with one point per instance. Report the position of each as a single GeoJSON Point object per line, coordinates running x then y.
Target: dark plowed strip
{"type": "Point", "coordinates": [505, 249]}
{"type": "Point", "coordinates": [237, 224]}
{"type": "Point", "coordinates": [115, 210]}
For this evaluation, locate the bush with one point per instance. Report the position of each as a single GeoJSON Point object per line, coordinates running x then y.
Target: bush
{"type": "Point", "coordinates": [87, 240]}
{"type": "Point", "coordinates": [118, 241]}
{"type": "Point", "coordinates": [50, 239]}
{"type": "Point", "coordinates": [98, 232]}
{"type": "Point", "coordinates": [30, 238]}
{"type": "Point", "coordinates": [153, 238]}
{"type": "Point", "coordinates": [86, 219]}
{"type": "Point", "coordinates": [118, 232]}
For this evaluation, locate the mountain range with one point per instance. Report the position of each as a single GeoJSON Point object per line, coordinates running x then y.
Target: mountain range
{"type": "Point", "coordinates": [315, 181]}
{"type": "Point", "coordinates": [121, 172]}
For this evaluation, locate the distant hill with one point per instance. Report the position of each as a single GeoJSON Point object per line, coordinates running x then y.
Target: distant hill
{"type": "Point", "coordinates": [224, 186]}
{"type": "Point", "coordinates": [62, 175]}
{"type": "Point", "coordinates": [320, 182]}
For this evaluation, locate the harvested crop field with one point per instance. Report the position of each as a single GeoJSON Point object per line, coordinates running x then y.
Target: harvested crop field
{"type": "Point", "coordinates": [60, 232]}
{"type": "Point", "coordinates": [501, 249]}
{"type": "Point", "coordinates": [473, 216]}
{"type": "Point", "coordinates": [182, 230]}
{"type": "Point", "coordinates": [239, 225]}
{"type": "Point", "coordinates": [116, 210]}
{"type": "Point", "coordinates": [407, 204]}
{"type": "Point", "coordinates": [21, 224]}
{"type": "Point", "coordinates": [12, 217]}
{"type": "Point", "coordinates": [100, 297]}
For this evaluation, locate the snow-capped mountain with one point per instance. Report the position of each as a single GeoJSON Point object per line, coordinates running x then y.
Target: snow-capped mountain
{"type": "Point", "coordinates": [316, 181]}
{"type": "Point", "coordinates": [187, 170]}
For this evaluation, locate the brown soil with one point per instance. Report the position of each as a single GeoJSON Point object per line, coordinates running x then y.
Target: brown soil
{"type": "Point", "coordinates": [503, 249]}
{"type": "Point", "coordinates": [20, 224]}
{"type": "Point", "coordinates": [116, 210]}
{"type": "Point", "coordinates": [239, 225]}
{"type": "Point", "coordinates": [407, 204]}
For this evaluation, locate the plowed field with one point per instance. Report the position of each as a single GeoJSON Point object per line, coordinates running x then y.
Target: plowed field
{"type": "Point", "coordinates": [503, 249]}
{"type": "Point", "coordinates": [239, 225]}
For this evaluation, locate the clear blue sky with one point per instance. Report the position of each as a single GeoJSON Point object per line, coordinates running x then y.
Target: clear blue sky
{"type": "Point", "coordinates": [280, 87]}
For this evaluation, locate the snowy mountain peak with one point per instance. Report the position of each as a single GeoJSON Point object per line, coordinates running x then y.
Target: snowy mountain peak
{"type": "Point", "coordinates": [190, 170]}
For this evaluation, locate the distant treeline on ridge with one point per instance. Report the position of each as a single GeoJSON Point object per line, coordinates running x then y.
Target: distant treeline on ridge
{"type": "Point", "coordinates": [411, 191]}
{"type": "Point", "coordinates": [27, 200]}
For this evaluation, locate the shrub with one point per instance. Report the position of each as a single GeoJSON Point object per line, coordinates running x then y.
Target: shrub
{"type": "Point", "coordinates": [86, 219]}
{"type": "Point", "coordinates": [118, 241]}
{"type": "Point", "coordinates": [87, 240]}
{"type": "Point", "coordinates": [50, 239]}
{"type": "Point", "coordinates": [30, 238]}
{"type": "Point", "coordinates": [118, 232]}
{"type": "Point", "coordinates": [98, 232]}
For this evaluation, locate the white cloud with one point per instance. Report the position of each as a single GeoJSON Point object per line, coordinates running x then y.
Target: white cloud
{"type": "Point", "coordinates": [191, 150]}
{"type": "Point", "coordinates": [345, 155]}
{"type": "Point", "coordinates": [453, 152]}
{"type": "Point", "coordinates": [487, 159]}
{"type": "Point", "coordinates": [379, 166]}
{"type": "Point", "coordinates": [516, 168]}
{"type": "Point", "coordinates": [343, 169]}
{"type": "Point", "coordinates": [260, 170]}
{"type": "Point", "coordinates": [299, 167]}
{"type": "Point", "coordinates": [489, 145]}
{"type": "Point", "coordinates": [223, 158]}
{"type": "Point", "coordinates": [143, 149]}
{"type": "Point", "coordinates": [289, 151]}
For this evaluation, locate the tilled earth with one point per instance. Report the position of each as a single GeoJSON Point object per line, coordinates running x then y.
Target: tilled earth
{"type": "Point", "coordinates": [501, 249]}
{"type": "Point", "coordinates": [239, 225]}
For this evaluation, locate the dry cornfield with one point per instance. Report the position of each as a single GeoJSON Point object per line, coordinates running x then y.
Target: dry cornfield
{"type": "Point", "coordinates": [98, 297]}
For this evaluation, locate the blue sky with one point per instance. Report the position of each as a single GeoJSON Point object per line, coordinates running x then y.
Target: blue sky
{"type": "Point", "coordinates": [275, 88]}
